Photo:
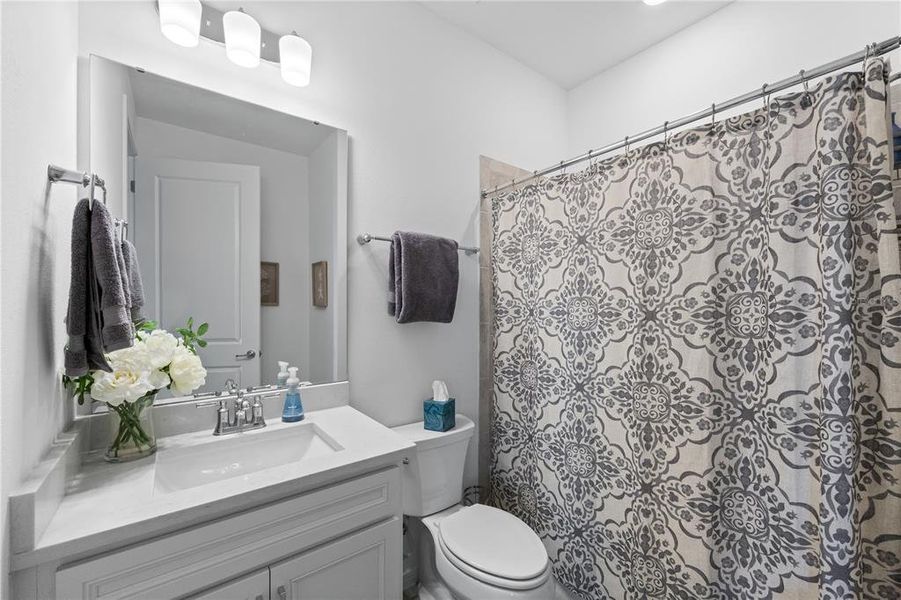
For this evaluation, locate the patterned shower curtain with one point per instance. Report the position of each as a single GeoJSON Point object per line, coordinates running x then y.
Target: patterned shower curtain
{"type": "Point", "coordinates": [697, 358]}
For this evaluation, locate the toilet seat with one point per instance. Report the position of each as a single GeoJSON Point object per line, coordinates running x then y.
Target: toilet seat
{"type": "Point", "coordinates": [494, 547]}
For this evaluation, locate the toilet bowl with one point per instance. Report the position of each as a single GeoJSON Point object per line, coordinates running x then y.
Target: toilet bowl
{"type": "Point", "coordinates": [466, 552]}
{"type": "Point", "coordinates": [483, 553]}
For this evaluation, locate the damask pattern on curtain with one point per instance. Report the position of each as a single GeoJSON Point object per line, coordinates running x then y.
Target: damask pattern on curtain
{"type": "Point", "coordinates": [697, 358]}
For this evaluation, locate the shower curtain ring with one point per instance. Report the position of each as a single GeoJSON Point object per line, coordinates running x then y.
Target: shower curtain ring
{"type": "Point", "coordinates": [766, 100]}
{"type": "Point", "coordinates": [866, 54]}
{"type": "Point", "coordinates": [626, 144]}
{"type": "Point", "coordinates": [713, 114]}
{"type": "Point", "coordinates": [804, 82]}
{"type": "Point", "coordinates": [666, 135]}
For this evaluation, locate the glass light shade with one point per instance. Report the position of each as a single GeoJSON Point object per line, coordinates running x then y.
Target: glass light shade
{"type": "Point", "coordinates": [242, 38]}
{"type": "Point", "coordinates": [654, 2]}
{"type": "Point", "coordinates": [180, 21]}
{"type": "Point", "coordinates": [296, 58]}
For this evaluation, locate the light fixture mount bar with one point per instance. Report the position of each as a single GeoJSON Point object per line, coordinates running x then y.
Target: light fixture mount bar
{"type": "Point", "coordinates": [212, 29]}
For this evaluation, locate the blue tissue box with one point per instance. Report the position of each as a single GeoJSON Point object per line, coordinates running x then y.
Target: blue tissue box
{"type": "Point", "coordinates": [439, 416]}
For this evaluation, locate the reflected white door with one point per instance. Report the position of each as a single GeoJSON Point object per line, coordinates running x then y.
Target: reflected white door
{"type": "Point", "coordinates": [196, 226]}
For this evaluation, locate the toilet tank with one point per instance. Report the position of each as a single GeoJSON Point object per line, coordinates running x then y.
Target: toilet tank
{"type": "Point", "coordinates": [433, 480]}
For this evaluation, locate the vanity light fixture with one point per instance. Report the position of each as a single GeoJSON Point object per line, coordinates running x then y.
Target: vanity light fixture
{"type": "Point", "coordinates": [654, 2]}
{"type": "Point", "coordinates": [296, 56]}
{"type": "Point", "coordinates": [242, 38]}
{"type": "Point", "coordinates": [180, 21]}
{"type": "Point", "coordinates": [184, 22]}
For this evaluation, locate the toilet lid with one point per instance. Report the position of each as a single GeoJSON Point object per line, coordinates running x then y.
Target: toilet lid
{"type": "Point", "coordinates": [494, 541]}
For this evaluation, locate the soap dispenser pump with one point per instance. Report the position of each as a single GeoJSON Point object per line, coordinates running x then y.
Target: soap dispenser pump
{"type": "Point", "coordinates": [282, 377]}
{"type": "Point", "coordinates": [293, 410]}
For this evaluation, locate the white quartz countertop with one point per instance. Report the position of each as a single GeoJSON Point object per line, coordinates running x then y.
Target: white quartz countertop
{"type": "Point", "coordinates": [109, 505]}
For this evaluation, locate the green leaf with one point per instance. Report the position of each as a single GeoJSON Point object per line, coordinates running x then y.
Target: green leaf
{"type": "Point", "coordinates": [201, 343]}
{"type": "Point", "coordinates": [190, 322]}
{"type": "Point", "coordinates": [204, 327]}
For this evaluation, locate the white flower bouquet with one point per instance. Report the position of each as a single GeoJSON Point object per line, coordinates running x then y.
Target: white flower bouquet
{"type": "Point", "coordinates": [158, 360]}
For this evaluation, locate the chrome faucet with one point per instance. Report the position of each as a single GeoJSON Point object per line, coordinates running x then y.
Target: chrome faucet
{"type": "Point", "coordinates": [244, 415]}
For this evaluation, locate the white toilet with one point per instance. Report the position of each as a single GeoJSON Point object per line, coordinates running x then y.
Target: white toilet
{"type": "Point", "coordinates": [466, 552]}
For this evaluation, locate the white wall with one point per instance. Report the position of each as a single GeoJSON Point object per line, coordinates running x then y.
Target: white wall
{"type": "Point", "coordinates": [323, 202]}
{"type": "Point", "coordinates": [284, 222]}
{"type": "Point", "coordinates": [38, 44]}
{"type": "Point", "coordinates": [421, 100]}
{"type": "Point", "coordinates": [734, 51]}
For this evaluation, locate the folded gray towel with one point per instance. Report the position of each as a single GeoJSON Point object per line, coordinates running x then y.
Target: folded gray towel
{"type": "Point", "coordinates": [135, 283]}
{"type": "Point", "coordinates": [423, 274]}
{"type": "Point", "coordinates": [117, 330]}
{"type": "Point", "coordinates": [84, 351]}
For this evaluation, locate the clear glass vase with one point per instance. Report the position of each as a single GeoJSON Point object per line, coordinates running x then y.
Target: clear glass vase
{"type": "Point", "coordinates": [131, 430]}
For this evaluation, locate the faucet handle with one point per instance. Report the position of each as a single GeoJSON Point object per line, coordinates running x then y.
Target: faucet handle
{"type": "Point", "coordinates": [218, 400]}
{"type": "Point", "coordinates": [221, 413]}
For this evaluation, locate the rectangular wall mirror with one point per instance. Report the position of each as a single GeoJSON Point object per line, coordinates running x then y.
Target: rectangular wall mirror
{"type": "Point", "coordinates": [229, 205]}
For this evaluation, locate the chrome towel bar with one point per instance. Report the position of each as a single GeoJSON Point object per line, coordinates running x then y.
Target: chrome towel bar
{"type": "Point", "coordinates": [365, 238]}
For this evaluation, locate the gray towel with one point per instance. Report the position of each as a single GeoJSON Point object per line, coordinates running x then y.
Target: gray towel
{"type": "Point", "coordinates": [117, 331]}
{"type": "Point", "coordinates": [135, 283]}
{"type": "Point", "coordinates": [423, 274]}
{"type": "Point", "coordinates": [84, 351]}
{"type": "Point", "coordinates": [123, 271]}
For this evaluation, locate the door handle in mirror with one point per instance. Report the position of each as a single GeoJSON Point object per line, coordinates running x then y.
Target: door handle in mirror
{"type": "Point", "coordinates": [250, 354]}
{"type": "Point", "coordinates": [282, 593]}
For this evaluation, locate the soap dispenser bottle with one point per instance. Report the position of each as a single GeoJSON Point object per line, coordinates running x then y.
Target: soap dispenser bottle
{"type": "Point", "coordinates": [282, 377]}
{"type": "Point", "coordinates": [293, 410]}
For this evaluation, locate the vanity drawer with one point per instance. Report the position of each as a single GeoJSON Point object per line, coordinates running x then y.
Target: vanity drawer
{"type": "Point", "coordinates": [176, 565]}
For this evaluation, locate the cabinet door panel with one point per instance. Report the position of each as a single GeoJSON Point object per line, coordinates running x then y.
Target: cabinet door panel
{"type": "Point", "coordinates": [254, 586]}
{"type": "Point", "coordinates": [362, 566]}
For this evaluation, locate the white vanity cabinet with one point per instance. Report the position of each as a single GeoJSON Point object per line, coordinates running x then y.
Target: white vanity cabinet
{"type": "Point", "coordinates": [339, 542]}
{"type": "Point", "coordinates": [355, 567]}
{"type": "Point", "coordinates": [254, 586]}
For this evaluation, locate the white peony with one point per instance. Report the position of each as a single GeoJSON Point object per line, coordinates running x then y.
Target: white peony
{"type": "Point", "coordinates": [186, 371]}
{"type": "Point", "coordinates": [160, 347]}
{"type": "Point", "coordinates": [158, 379]}
{"type": "Point", "coordinates": [122, 385]}
{"type": "Point", "coordinates": [133, 358]}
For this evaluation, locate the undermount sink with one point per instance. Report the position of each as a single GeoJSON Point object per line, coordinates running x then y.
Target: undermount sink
{"type": "Point", "coordinates": [239, 456]}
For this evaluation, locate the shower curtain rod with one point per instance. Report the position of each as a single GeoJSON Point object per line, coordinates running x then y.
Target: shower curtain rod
{"type": "Point", "coordinates": [871, 51]}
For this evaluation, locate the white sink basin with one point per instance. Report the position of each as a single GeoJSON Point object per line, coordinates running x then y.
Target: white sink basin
{"type": "Point", "coordinates": [239, 455]}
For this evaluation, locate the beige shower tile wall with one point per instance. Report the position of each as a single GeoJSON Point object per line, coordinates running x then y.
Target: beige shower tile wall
{"type": "Point", "coordinates": [491, 173]}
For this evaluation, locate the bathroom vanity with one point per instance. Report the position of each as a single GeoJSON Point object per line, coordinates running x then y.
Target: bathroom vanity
{"type": "Point", "coordinates": [294, 510]}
